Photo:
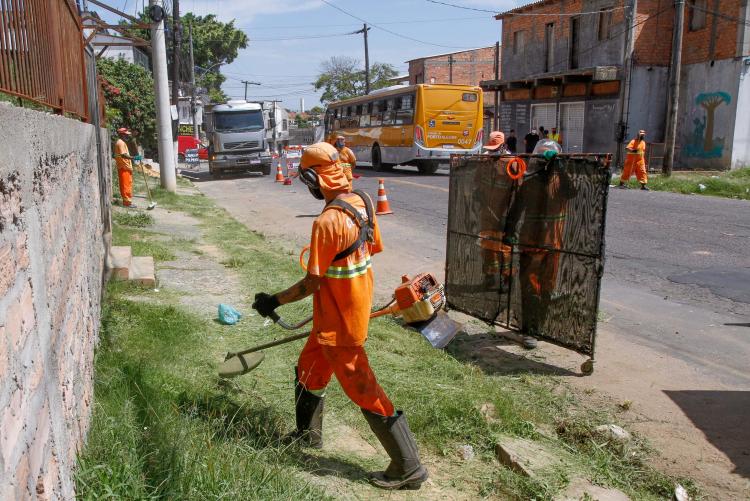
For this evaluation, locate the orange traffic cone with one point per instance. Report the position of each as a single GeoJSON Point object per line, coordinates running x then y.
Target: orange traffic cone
{"type": "Point", "coordinates": [279, 174]}
{"type": "Point", "coordinates": [383, 207]}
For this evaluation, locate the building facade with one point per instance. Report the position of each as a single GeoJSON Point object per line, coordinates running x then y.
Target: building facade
{"type": "Point", "coordinates": [564, 65]}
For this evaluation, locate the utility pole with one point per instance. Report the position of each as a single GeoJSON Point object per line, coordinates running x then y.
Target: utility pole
{"type": "Point", "coordinates": [247, 82]}
{"type": "Point", "coordinates": [627, 67]}
{"type": "Point", "coordinates": [364, 31]}
{"type": "Point", "coordinates": [193, 107]}
{"type": "Point", "coordinates": [674, 87]}
{"type": "Point", "coordinates": [176, 53]}
{"type": "Point", "coordinates": [163, 116]}
{"type": "Point", "coordinates": [497, 93]}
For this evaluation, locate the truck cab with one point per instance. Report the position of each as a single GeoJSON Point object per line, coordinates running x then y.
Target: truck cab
{"type": "Point", "coordinates": [237, 139]}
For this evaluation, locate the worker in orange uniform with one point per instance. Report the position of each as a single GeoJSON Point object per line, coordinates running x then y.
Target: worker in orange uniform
{"type": "Point", "coordinates": [495, 193]}
{"type": "Point", "coordinates": [635, 160]}
{"type": "Point", "coordinates": [340, 278]}
{"type": "Point", "coordinates": [347, 158]}
{"type": "Point", "coordinates": [124, 167]}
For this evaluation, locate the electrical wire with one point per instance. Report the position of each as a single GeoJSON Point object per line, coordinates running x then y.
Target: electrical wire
{"type": "Point", "coordinates": [349, 25]}
{"type": "Point", "coordinates": [551, 14]}
{"type": "Point", "coordinates": [405, 37]}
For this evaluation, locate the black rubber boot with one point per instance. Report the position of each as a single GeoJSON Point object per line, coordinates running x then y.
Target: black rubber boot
{"type": "Point", "coordinates": [308, 408]}
{"type": "Point", "coordinates": [405, 470]}
{"type": "Point", "coordinates": [644, 187]}
{"type": "Point", "coordinates": [623, 186]}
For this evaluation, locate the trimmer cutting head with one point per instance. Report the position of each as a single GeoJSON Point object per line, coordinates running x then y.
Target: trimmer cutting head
{"type": "Point", "coordinates": [237, 365]}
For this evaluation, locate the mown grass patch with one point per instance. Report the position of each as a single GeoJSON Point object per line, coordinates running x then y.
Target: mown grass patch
{"type": "Point", "coordinates": [732, 184]}
{"type": "Point", "coordinates": [175, 431]}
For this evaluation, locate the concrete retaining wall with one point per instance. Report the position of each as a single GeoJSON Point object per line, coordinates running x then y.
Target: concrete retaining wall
{"type": "Point", "coordinates": [52, 252]}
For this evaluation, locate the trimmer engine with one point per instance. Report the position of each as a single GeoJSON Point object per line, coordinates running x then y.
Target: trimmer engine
{"type": "Point", "coordinates": [419, 298]}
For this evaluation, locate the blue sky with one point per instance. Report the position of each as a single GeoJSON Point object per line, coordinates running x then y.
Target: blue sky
{"type": "Point", "coordinates": [287, 68]}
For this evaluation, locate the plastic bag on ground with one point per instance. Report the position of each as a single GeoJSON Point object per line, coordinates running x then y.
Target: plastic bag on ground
{"type": "Point", "coordinates": [228, 315]}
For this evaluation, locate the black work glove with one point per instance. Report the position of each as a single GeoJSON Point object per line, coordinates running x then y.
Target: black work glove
{"type": "Point", "coordinates": [265, 304]}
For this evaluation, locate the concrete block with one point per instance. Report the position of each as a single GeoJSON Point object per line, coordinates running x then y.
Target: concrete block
{"type": "Point", "coordinates": [524, 456]}
{"type": "Point", "coordinates": [143, 271]}
{"type": "Point", "coordinates": [119, 260]}
{"type": "Point", "coordinates": [581, 489]}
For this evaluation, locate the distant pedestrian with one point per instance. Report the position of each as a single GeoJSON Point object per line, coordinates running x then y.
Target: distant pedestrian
{"type": "Point", "coordinates": [542, 132]}
{"type": "Point", "coordinates": [346, 157]}
{"type": "Point", "coordinates": [124, 163]}
{"type": "Point", "coordinates": [496, 144]}
{"type": "Point", "coordinates": [530, 140]}
{"type": "Point", "coordinates": [511, 142]}
{"type": "Point", "coordinates": [555, 136]}
{"type": "Point", "coordinates": [635, 161]}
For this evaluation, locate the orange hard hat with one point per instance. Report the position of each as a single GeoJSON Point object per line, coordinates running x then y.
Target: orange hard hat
{"type": "Point", "coordinates": [323, 159]}
{"type": "Point", "coordinates": [497, 139]}
{"type": "Point", "coordinates": [123, 130]}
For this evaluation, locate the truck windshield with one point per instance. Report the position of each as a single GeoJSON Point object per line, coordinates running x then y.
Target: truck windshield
{"type": "Point", "coordinates": [238, 121]}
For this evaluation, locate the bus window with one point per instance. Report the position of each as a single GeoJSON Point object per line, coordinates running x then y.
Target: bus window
{"type": "Point", "coordinates": [376, 117]}
{"type": "Point", "coordinates": [390, 112]}
{"type": "Point", "coordinates": [405, 110]}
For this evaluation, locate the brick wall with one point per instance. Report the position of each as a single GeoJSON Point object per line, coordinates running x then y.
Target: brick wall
{"type": "Point", "coordinates": [51, 264]}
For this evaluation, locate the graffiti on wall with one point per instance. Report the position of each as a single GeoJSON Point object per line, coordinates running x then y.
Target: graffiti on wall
{"type": "Point", "coordinates": [702, 143]}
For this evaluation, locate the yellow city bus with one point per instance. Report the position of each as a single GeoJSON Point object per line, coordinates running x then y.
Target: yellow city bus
{"type": "Point", "coordinates": [419, 124]}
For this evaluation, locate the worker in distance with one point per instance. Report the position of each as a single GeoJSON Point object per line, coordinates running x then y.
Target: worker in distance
{"type": "Point", "coordinates": [340, 278]}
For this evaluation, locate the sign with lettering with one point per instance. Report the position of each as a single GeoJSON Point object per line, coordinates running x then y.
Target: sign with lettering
{"type": "Point", "coordinates": [185, 129]}
{"type": "Point", "coordinates": [191, 156]}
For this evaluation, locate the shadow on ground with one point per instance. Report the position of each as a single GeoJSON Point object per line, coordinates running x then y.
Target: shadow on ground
{"type": "Point", "coordinates": [489, 352]}
{"type": "Point", "coordinates": [722, 416]}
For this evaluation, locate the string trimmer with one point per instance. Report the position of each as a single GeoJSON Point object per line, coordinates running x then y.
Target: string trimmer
{"type": "Point", "coordinates": [418, 301]}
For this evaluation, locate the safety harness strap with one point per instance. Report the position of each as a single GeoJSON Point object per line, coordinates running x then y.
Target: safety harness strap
{"type": "Point", "coordinates": [366, 226]}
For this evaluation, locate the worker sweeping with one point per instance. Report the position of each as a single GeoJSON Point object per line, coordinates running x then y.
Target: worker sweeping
{"type": "Point", "coordinates": [635, 160]}
{"type": "Point", "coordinates": [340, 278]}
{"type": "Point", "coordinates": [124, 163]}
{"type": "Point", "coordinates": [347, 158]}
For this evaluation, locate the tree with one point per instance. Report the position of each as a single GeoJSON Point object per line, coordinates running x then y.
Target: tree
{"type": "Point", "coordinates": [342, 77]}
{"type": "Point", "coordinates": [129, 98]}
{"type": "Point", "coordinates": [214, 44]}
{"type": "Point", "coordinates": [709, 102]}
{"type": "Point", "coordinates": [316, 110]}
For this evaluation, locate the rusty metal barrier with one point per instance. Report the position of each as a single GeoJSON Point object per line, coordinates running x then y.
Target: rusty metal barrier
{"type": "Point", "coordinates": [41, 54]}
{"type": "Point", "coordinates": [525, 247]}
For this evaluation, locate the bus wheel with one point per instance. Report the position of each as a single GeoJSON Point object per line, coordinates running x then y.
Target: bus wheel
{"type": "Point", "coordinates": [377, 160]}
{"type": "Point", "coordinates": [427, 167]}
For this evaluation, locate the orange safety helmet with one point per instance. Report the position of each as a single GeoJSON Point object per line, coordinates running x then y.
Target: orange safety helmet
{"type": "Point", "coordinates": [124, 130]}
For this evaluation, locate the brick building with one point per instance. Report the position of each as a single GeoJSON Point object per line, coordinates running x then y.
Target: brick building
{"type": "Point", "coordinates": [467, 67]}
{"type": "Point", "coordinates": [564, 65]}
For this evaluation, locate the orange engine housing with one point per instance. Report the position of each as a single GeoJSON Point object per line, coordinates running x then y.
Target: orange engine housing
{"type": "Point", "coordinates": [423, 288]}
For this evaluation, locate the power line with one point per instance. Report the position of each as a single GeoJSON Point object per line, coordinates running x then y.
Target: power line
{"type": "Point", "coordinates": [408, 21]}
{"type": "Point", "coordinates": [550, 14]}
{"type": "Point", "coordinates": [332, 5]}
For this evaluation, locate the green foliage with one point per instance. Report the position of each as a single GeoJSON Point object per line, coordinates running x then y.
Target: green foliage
{"type": "Point", "coordinates": [129, 96]}
{"type": "Point", "coordinates": [134, 219]}
{"type": "Point", "coordinates": [342, 77]}
{"type": "Point", "coordinates": [214, 43]}
{"type": "Point", "coordinates": [316, 110]}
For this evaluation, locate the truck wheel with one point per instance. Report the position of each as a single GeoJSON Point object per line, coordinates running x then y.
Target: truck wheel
{"type": "Point", "coordinates": [215, 173]}
{"type": "Point", "coordinates": [427, 167]}
{"type": "Point", "coordinates": [377, 160]}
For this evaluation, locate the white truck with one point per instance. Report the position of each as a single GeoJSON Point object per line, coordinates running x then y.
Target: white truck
{"type": "Point", "coordinates": [238, 138]}
{"type": "Point", "coordinates": [277, 125]}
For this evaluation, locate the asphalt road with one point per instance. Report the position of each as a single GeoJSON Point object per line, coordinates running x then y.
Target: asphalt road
{"type": "Point", "coordinates": [677, 273]}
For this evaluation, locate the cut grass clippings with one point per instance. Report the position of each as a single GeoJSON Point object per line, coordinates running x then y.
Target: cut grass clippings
{"type": "Point", "coordinates": [165, 427]}
{"type": "Point", "coordinates": [732, 184]}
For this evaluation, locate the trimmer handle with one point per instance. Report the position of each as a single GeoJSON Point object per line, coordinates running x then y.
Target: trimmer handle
{"type": "Point", "coordinates": [280, 321]}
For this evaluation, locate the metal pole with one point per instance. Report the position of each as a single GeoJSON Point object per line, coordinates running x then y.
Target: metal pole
{"type": "Point", "coordinates": [365, 29]}
{"type": "Point", "coordinates": [163, 116]}
{"type": "Point", "coordinates": [176, 52]}
{"type": "Point", "coordinates": [193, 107]}
{"type": "Point", "coordinates": [496, 118]}
{"type": "Point", "coordinates": [625, 90]}
{"type": "Point", "coordinates": [246, 83]}
{"type": "Point", "coordinates": [450, 68]}
{"type": "Point", "coordinates": [674, 88]}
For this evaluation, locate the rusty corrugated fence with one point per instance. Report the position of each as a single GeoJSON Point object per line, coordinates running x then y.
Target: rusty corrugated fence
{"type": "Point", "coordinates": [41, 54]}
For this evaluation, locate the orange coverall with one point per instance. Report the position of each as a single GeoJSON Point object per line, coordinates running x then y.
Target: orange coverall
{"type": "Point", "coordinates": [124, 171]}
{"type": "Point", "coordinates": [341, 311]}
{"type": "Point", "coordinates": [349, 161]}
{"type": "Point", "coordinates": [635, 161]}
